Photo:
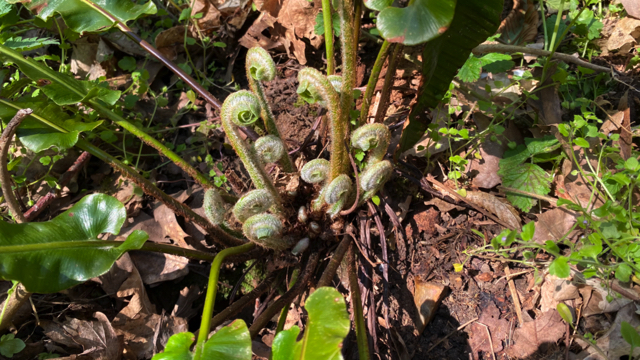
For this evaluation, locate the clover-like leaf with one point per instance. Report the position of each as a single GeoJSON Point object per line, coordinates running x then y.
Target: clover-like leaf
{"type": "Point", "coordinates": [47, 127]}
{"type": "Point", "coordinates": [526, 177]}
{"type": "Point", "coordinates": [420, 21]}
{"type": "Point", "coordinates": [54, 255]}
{"type": "Point", "coordinates": [81, 15]}
{"type": "Point", "coordinates": [327, 327]}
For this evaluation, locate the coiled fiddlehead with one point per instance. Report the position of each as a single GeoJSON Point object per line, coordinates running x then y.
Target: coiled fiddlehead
{"type": "Point", "coordinates": [315, 172]}
{"type": "Point", "coordinates": [315, 87]}
{"type": "Point", "coordinates": [375, 139]}
{"type": "Point", "coordinates": [252, 203]}
{"type": "Point", "coordinates": [240, 109]}
{"type": "Point", "coordinates": [260, 67]}
{"type": "Point", "coordinates": [269, 148]}
{"type": "Point", "coordinates": [265, 230]}
{"type": "Point", "coordinates": [214, 206]}
{"type": "Point", "coordinates": [336, 82]}
{"type": "Point", "coordinates": [337, 193]}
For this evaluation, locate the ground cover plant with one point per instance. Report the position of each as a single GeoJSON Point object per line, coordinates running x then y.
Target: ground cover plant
{"type": "Point", "coordinates": [306, 188]}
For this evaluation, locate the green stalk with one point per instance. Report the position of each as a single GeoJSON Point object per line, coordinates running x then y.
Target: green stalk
{"type": "Point", "coordinates": [212, 286]}
{"type": "Point", "coordinates": [356, 301]}
{"type": "Point", "coordinates": [328, 35]}
{"type": "Point", "coordinates": [240, 109]}
{"type": "Point", "coordinates": [388, 83]}
{"type": "Point", "coordinates": [557, 26]}
{"type": "Point", "coordinates": [339, 159]}
{"type": "Point", "coordinates": [373, 79]}
{"type": "Point", "coordinates": [285, 310]}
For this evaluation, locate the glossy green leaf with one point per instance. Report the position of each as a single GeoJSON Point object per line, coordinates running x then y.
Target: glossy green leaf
{"type": "Point", "coordinates": [377, 4]}
{"type": "Point", "coordinates": [64, 89]}
{"type": "Point", "coordinates": [528, 230]}
{"type": "Point", "coordinates": [80, 16]}
{"type": "Point", "coordinates": [565, 313]}
{"type": "Point", "coordinates": [559, 267]}
{"type": "Point", "coordinates": [630, 334]}
{"type": "Point", "coordinates": [51, 256]}
{"type": "Point", "coordinates": [527, 177]}
{"type": "Point", "coordinates": [420, 21]}
{"type": "Point", "coordinates": [232, 342]}
{"type": "Point", "coordinates": [327, 327]}
{"type": "Point", "coordinates": [35, 134]}
{"type": "Point", "coordinates": [473, 22]}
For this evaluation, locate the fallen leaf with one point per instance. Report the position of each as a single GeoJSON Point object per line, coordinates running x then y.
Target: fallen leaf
{"type": "Point", "coordinates": [159, 267]}
{"type": "Point", "coordinates": [554, 224]}
{"type": "Point", "coordinates": [97, 338]}
{"type": "Point", "coordinates": [521, 25]}
{"type": "Point", "coordinates": [534, 335]}
{"type": "Point", "coordinates": [612, 343]}
{"type": "Point", "coordinates": [427, 298]}
{"type": "Point", "coordinates": [624, 35]}
{"type": "Point", "coordinates": [255, 35]}
{"type": "Point", "coordinates": [598, 303]}
{"type": "Point", "coordinates": [498, 328]}
{"type": "Point", "coordinates": [166, 218]}
{"type": "Point", "coordinates": [632, 7]}
{"type": "Point", "coordinates": [442, 205]}
{"type": "Point", "coordinates": [502, 210]}
{"type": "Point", "coordinates": [84, 58]}
{"type": "Point", "coordinates": [625, 142]}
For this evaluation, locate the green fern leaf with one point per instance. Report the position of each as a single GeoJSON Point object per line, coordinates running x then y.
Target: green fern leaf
{"type": "Point", "coordinates": [19, 44]}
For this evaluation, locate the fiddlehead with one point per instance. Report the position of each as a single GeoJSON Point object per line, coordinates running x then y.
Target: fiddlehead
{"type": "Point", "coordinates": [265, 230]}
{"type": "Point", "coordinates": [269, 148]}
{"type": "Point", "coordinates": [337, 193]}
{"type": "Point", "coordinates": [315, 172]}
{"type": "Point", "coordinates": [252, 203]}
{"type": "Point", "coordinates": [374, 138]}
{"type": "Point", "coordinates": [374, 177]}
{"type": "Point", "coordinates": [214, 207]}
{"type": "Point", "coordinates": [240, 109]}
{"type": "Point", "coordinates": [260, 67]}
{"type": "Point", "coordinates": [315, 87]}
{"type": "Point", "coordinates": [336, 82]}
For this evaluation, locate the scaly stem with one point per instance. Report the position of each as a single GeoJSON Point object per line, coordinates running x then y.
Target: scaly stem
{"type": "Point", "coordinates": [243, 108]}
{"type": "Point", "coordinates": [5, 178]}
{"type": "Point", "coordinates": [388, 83]}
{"type": "Point", "coordinates": [356, 301]}
{"type": "Point", "coordinates": [212, 286]}
{"type": "Point", "coordinates": [328, 35]}
{"type": "Point", "coordinates": [373, 79]}
{"type": "Point", "coordinates": [339, 158]}
{"type": "Point", "coordinates": [260, 67]}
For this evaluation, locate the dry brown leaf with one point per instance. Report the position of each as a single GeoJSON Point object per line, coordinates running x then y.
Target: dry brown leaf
{"type": "Point", "coordinates": [598, 303]}
{"type": "Point", "coordinates": [632, 7]}
{"type": "Point", "coordinates": [87, 54]}
{"type": "Point", "coordinates": [442, 205]}
{"type": "Point", "coordinates": [625, 142]}
{"type": "Point", "coordinates": [521, 25]}
{"type": "Point", "coordinates": [624, 35]}
{"type": "Point", "coordinates": [184, 306]}
{"type": "Point", "coordinates": [534, 335]}
{"type": "Point", "coordinates": [145, 223]}
{"type": "Point", "coordinates": [554, 224]}
{"type": "Point", "coordinates": [159, 267]}
{"type": "Point", "coordinates": [210, 19]}
{"type": "Point", "coordinates": [427, 298]}
{"type": "Point", "coordinates": [498, 328]}
{"type": "Point", "coordinates": [612, 343]}
{"type": "Point", "coordinates": [170, 42]}
{"type": "Point", "coordinates": [502, 210]}
{"type": "Point", "coordinates": [97, 338]}
{"type": "Point", "coordinates": [255, 37]}
{"type": "Point", "coordinates": [484, 171]}
{"type": "Point", "coordinates": [167, 220]}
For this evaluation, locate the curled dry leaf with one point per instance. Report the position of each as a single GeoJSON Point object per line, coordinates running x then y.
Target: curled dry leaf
{"type": "Point", "coordinates": [503, 210]}
{"type": "Point", "coordinates": [427, 298]}
{"type": "Point", "coordinates": [624, 36]}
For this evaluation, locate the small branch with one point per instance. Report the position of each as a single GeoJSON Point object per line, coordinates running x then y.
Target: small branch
{"type": "Point", "coordinates": [501, 48]}
{"type": "Point", "coordinates": [388, 82]}
{"type": "Point", "coordinates": [5, 178]}
{"type": "Point", "coordinates": [44, 201]}
{"type": "Point", "coordinates": [276, 307]}
{"type": "Point", "coordinates": [334, 263]}
{"type": "Point", "coordinates": [514, 295]}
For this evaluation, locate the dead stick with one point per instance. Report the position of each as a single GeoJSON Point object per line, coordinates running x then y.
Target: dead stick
{"type": "Point", "coordinates": [514, 295]}
{"type": "Point", "coordinates": [501, 48]}
{"type": "Point", "coordinates": [334, 263]}
{"type": "Point", "coordinates": [44, 201]}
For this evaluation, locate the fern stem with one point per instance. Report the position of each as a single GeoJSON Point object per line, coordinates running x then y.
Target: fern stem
{"type": "Point", "coordinates": [243, 107]}
{"type": "Point", "coordinates": [340, 165]}
{"type": "Point", "coordinates": [373, 80]}
{"type": "Point", "coordinates": [388, 83]}
{"type": "Point", "coordinates": [212, 286]}
{"type": "Point", "coordinates": [356, 301]}
{"type": "Point", "coordinates": [328, 35]}
{"type": "Point", "coordinates": [260, 67]}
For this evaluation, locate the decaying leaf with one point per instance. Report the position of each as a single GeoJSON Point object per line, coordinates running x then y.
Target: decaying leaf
{"type": "Point", "coordinates": [612, 343]}
{"type": "Point", "coordinates": [497, 328]}
{"type": "Point", "coordinates": [554, 225]}
{"type": "Point", "coordinates": [632, 7]}
{"type": "Point", "coordinates": [535, 335]}
{"type": "Point", "coordinates": [167, 220]}
{"type": "Point", "coordinates": [624, 36]}
{"type": "Point", "coordinates": [427, 298]}
{"type": "Point", "coordinates": [502, 209]}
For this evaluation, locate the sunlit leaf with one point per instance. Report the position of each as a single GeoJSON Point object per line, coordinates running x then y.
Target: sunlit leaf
{"type": "Point", "coordinates": [420, 21]}
{"type": "Point", "coordinates": [54, 255]}
{"type": "Point", "coordinates": [526, 177]}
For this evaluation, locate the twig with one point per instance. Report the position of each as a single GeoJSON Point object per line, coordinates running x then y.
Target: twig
{"type": "Point", "coordinates": [451, 333]}
{"type": "Point", "coordinates": [5, 178]}
{"type": "Point", "coordinates": [514, 294]}
{"type": "Point", "coordinates": [277, 305]}
{"type": "Point", "coordinates": [493, 353]}
{"type": "Point", "coordinates": [501, 48]}
{"type": "Point", "coordinates": [334, 263]}
{"type": "Point", "coordinates": [385, 260]}
{"type": "Point", "coordinates": [356, 302]}
{"type": "Point", "coordinates": [44, 201]}
{"type": "Point", "coordinates": [394, 57]}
